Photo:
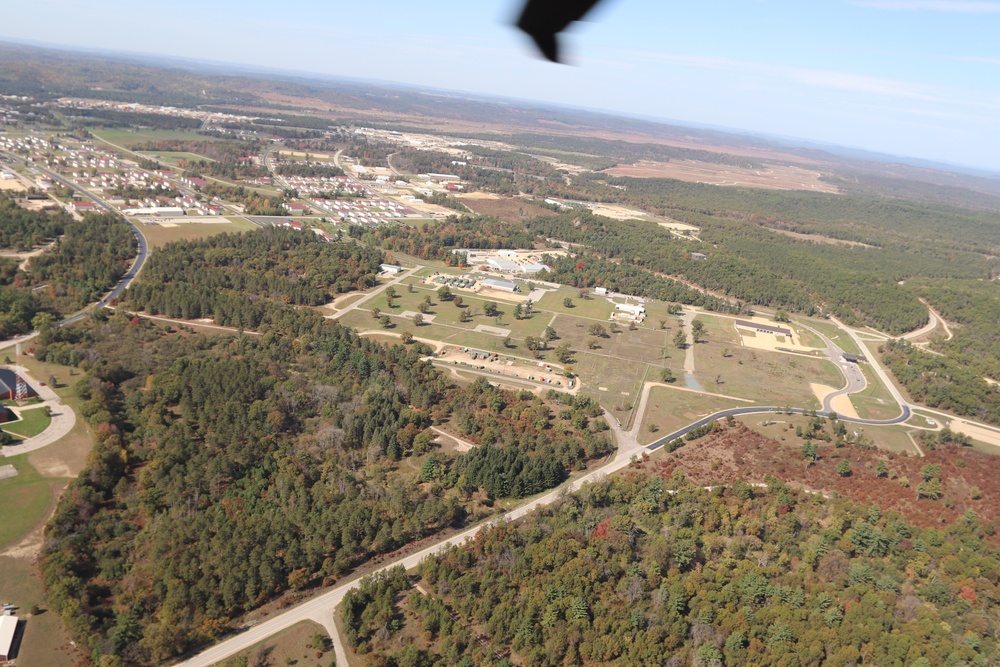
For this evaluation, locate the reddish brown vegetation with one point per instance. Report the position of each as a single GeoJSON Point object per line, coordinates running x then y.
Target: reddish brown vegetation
{"type": "Point", "coordinates": [739, 453]}
{"type": "Point", "coordinates": [510, 209]}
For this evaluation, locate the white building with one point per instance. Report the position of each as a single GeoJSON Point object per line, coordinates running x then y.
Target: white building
{"type": "Point", "coordinates": [501, 285]}
{"type": "Point", "coordinates": [155, 210]}
{"type": "Point", "coordinates": [8, 628]}
{"type": "Point", "coordinates": [633, 309]}
{"type": "Point", "coordinates": [501, 264]}
{"type": "Point", "coordinates": [534, 267]}
{"type": "Point", "coordinates": [391, 269]}
{"type": "Point", "coordinates": [601, 291]}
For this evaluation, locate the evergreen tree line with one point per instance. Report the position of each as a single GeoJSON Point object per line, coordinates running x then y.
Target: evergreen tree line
{"type": "Point", "coordinates": [21, 229]}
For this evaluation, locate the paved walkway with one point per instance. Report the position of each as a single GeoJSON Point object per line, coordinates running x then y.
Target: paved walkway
{"type": "Point", "coordinates": [63, 418]}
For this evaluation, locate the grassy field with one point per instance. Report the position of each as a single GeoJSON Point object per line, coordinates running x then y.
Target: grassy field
{"type": "Point", "coordinates": [597, 308]}
{"type": "Point", "coordinates": [26, 500]}
{"type": "Point", "coordinates": [875, 402]}
{"type": "Point", "coordinates": [173, 157]}
{"type": "Point", "coordinates": [809, 339]}
{"type": "Point", "coordinates": [128, 138]}
{"type": "Point", "coordinates": [293, 646]}
{"type": "Point", "coordinates": [670, 409]}
{"type": "Point", "coordinates": [446, 314]}
{"type": "Point", "coordinates": [157, 235]}
{"type": "Point", "coordinates": [32, 422]}
{"type": "Point", "coordinates": [770, 377]}
{"type": "Point", "coordinates": [837, 335]}
{"type": "Point", "coordinates": [44, 475]}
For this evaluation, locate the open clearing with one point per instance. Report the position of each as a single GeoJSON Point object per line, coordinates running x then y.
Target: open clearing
{"type": "Point", "coordinates": [128, 138]}
{"type": "Point", "coordinates": [293, 646]}
{"type": "Point", "coordinates": [771, 177]}
{"type": "Point", "coordinates": [989, 436]}
{"type": "Point", "coordinates": [12, 185]}
{"type": "Point", "coordinates": [158, 235]}
{"type": "Point", "coordinates": [819, 238]}
{"type": "Point", "coordinates": [510, 209]}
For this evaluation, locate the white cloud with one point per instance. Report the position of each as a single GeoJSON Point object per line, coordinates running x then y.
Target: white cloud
{"type": "Point", "coordinates": [952, 6]}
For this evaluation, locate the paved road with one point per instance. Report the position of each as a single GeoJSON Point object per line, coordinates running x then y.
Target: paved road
{"type": "Point", "coordinates": [63, 418]}
{"type": "Point", "coordinates": [137, 264]}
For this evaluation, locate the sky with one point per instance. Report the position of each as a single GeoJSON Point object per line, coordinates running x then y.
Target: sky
{"type": "Point", "coordinates": [915, 78]}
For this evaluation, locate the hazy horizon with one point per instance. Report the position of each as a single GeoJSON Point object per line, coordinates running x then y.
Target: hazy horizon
{"type": "Point", "coordinates": [912, 79]}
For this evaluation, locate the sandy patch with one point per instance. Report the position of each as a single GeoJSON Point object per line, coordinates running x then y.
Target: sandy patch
{"type": "Point", "coordinates": [818, 238]}
{"type": "Point", "coordinates": [773, 177]}
{"type": "Point", "coordinates": [496, 331]}
{"type": "Point", "coordinates": [842, 406]}
{"type": "Point", "coordinates": [12, 185]}
{"type": "Point", "coordinates": [27, 547]}
{"type": "Point", "coordinates": [979, 433]}
{"type": "Point", "coordinates": [505, 365]}
{"type": "Point", "coordinates": [772, 342]}
{"type": "Point", "coordinates": [821, 391]}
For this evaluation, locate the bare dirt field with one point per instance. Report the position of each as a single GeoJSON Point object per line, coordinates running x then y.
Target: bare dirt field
{"type": "Point", "coordinates": [819, 238]}
{"type": "Point", "coordinates": [510, 209]}
{"type": "Point", "coordinates": [11, 184]}
{"type": "Point", "coordinates": [771, 177]}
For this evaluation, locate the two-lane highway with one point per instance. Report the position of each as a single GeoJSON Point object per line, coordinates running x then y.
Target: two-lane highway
{"type": "Point", "coordinates": [142, 247]}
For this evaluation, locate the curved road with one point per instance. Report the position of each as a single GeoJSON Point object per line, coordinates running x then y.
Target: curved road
{"type": "Point", "coordinates": [137, 264]}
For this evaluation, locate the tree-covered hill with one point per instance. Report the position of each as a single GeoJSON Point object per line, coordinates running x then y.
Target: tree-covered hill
{"type": "Point", "coordinates": [229, 470]}
{"type": "Point", "coordinates": [651, 570]}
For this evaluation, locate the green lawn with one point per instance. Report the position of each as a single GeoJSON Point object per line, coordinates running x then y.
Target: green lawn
{"type": "Point", "coordinates": [32, 422]}
{"type": "Point", "coordinates": [173, 157]}
{"type": "Point", "coordinates": [670, 409]}
{"type": "Point", "coordinates": [128, 138]}
{"type": "Point", "coordinates": [158, 235]}
{"type": "Point", "coordinates": [875, 402]}
{"type": "Point", "coordinates": [595, 307]}
{"type": "Point", "coordinates": [769, 377]}
{"type": "Point", "coordinates": [837, 335]}
{"type": "Point", "coordinates": [26, 498]}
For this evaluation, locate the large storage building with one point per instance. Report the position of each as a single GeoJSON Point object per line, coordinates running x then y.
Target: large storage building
{"type": "Point", "coordinates": [8, 628]}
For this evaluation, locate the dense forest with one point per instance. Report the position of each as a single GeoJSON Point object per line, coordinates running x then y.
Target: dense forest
{"type": "Point", "coordinates": [223, 159]}
{"type": "Point", "coordinates": [234, 278]}
{"type": "Point", "coordinates": [228, 470]}
{"type": "Point", "coordinates": [309, 169]}
{"type": "Point", "coordinates": [645, 569]}
{"type": "Point", "coordinates": [760, 268]}
{"type": "Point", "coordinates": [85, 261]}
{"type": "Point", "coordinates": [22, 230]}
{"type": "Point", "coordinates": [943, 382]}
{"type": "Point", "coordinates": [503, 172]}
{"type": "Point", "coordinates": [437, 241]}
